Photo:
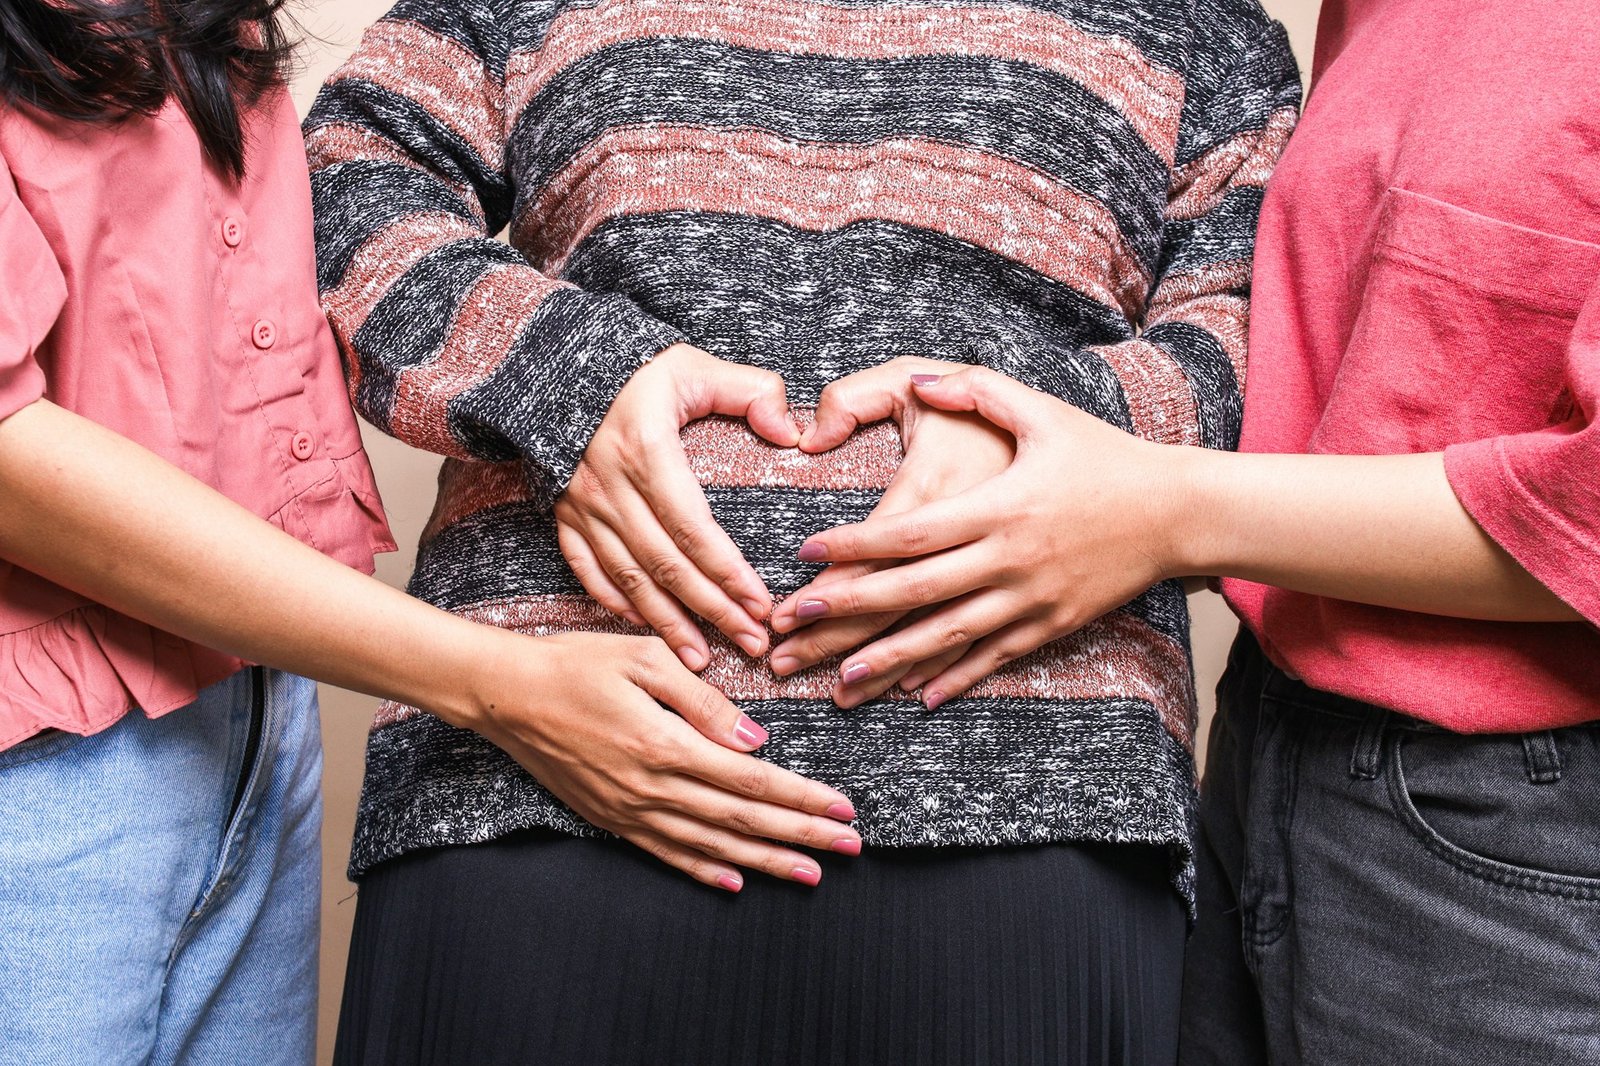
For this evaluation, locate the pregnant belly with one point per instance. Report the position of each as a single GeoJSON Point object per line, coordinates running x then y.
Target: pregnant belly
{"type": "Point", "coordinates": [769, 499]}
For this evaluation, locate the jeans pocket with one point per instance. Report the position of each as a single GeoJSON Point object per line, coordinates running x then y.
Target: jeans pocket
{"type": "Point", "coordinates": [40, 746]}
{"type": "Point", "coordinates": [1474, 803]}
{"type": "Point", "coordinates": [1266, 888]}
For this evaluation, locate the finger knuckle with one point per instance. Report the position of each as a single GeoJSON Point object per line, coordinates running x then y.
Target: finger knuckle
{"type": "Point", "coordinates": [667, 570]}
{"type": "Point", "coordinates": [631, 579]}
{"type": "Point", "coordinates": [752, 781]}
{"type": "Point", "coordinates": [956, 636]}
{"type": "Point", "coordinates": [745, 820]}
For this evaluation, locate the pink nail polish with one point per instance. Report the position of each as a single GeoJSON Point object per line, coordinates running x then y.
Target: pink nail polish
{"type": "Point", "coordinates": [730, 882]}
{"type": "Point", "coordinates": [847, 846]}
{"type": "Point", "coordinates": [926, 379]}
{"type": "Point", "coordinates": [933, 700]}
{"type": "Point", "coordinates": [807, 876]}
{"type": "Point", "coordinates": [812, 553]}
{"type": "Point", "coordinates": [842, 812]}
{"type": "Point", "coordinates": [749, 732]}
{"type": "Point", "coordinates": [855, 673]}
{"type": "Point", "coordinates": [811, 609]}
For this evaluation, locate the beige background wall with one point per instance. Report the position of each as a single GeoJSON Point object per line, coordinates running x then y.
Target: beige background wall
{"type": "Point", "coordinates": [406, 477]}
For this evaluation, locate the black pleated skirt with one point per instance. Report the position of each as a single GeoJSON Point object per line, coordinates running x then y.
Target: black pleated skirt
{"type": "Point", "coordinates": [543, 948]}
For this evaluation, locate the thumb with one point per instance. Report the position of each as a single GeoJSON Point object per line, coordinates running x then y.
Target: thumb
{"type": "Point", "coordinates": [755, 395]}
{"type": "Point", "coordinates": [868, 396]}
{"type": "Point", "coordinates": [1005, 401]}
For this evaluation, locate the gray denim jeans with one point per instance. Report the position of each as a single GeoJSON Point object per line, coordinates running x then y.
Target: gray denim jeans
{"type": "Point", "coordinates": [1376, 890]}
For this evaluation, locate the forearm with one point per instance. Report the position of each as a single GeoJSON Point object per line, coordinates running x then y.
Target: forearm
{"type": "Point", "coordinates": [1384, 530]}
{"type": "Point", "coordinates": [96, 513]}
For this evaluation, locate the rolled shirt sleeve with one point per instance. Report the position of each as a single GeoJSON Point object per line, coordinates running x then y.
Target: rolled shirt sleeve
{"type": "Point", "coordinates": [32, 292]}
{"type": "Point", "coordinates": [1538, 493]}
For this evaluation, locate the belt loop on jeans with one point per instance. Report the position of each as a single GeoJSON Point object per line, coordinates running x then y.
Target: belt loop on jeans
{"type": "Point", "coordinates": [1542, 759]}
{"type": "Point", "coordinates": [1367, 756]}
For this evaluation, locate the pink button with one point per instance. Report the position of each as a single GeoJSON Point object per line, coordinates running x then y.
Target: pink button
{"type": "Point", "coordinates": [302, 446]}
{"type": "Point", "coordinates": [265, 334]}
{"type": "Point", "coordinates": [232, 231]}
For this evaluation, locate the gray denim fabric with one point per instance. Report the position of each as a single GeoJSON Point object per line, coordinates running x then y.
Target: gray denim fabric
{"type": "Point", "coordinates": [1376, 890]}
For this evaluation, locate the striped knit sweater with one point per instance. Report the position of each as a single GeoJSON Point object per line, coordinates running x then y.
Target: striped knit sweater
{"type": "Point", "coordinates": [1063, 190]}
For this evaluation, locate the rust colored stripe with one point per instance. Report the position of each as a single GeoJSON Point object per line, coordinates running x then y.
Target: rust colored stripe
{"type": "Point", "coordinates": [341, 142]}
{"type": "Point", "coordinates": [487, 321]}
{"type": "Point", "coordinates": [1151, 97]}
{"type": "Point", "coordinates": [1160, 401]}
{"type": "Point", "coordinates": [1221, 314]}
{"type": "Point", "coordinates": [1241, 161]}
{"type": "Point", "coordinates": [722, 453]}
{"type": "Point", "coordinates": [445, 78]}
{"type": "Point", "coordinates": [383, 259]}
{"type": "Point", "coordinates": [994, 203]}
{"type": "Point", "coordinates": [1116, 657]}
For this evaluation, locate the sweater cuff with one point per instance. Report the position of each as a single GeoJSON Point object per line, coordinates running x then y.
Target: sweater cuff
{"type": "Point", "coordinates": [1557, 551]}
{"type": "Point", "coordinates": [605, 340]}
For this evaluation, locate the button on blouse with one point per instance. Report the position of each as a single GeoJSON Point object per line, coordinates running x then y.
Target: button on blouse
{"type": "Point", "coordinates": [143, 289]}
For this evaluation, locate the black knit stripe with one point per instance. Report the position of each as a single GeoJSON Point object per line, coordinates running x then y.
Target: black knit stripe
{"type": "Point", "coordinates": [1113, 772]}
{"type": "Point", "coordinates": [405, 324]}
{"type": "Point", "coordinates": [352, 201]}
{"type": "Point", "coordinates": [509, 551]}
{"type": "Point", "coordinates": [557, 381]}
{"type": "Point", "coordinates": [1225, 234]}
{"type": "Point", "coordinates": [1241, 70]}
{"type": "Point", "coordinates": [757, 291]}
{"type": "Point", "coordinates": [1218, 399]}
{"type": "Point", "coordinates": [421, 134]}
{"type": "Point", "coordinates": [1021, 112]}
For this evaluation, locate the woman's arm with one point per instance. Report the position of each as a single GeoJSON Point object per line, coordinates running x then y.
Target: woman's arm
{"type": "Point", "coordinates": [1088, 516]}
{"type": "Point", "coordinates": [95, 512]}
{"type": "Point", "coordinates": [457, 344]}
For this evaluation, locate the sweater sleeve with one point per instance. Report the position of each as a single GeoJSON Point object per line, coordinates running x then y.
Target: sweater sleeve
{"type": "Point", "coordinates": [1537, 493]}
{"type": "Point", "coordinates": [32, 293]}
{"type": "Point", "coordinates": [453, 341]}
{"type": "Point", "coordinates": [1182, 376]}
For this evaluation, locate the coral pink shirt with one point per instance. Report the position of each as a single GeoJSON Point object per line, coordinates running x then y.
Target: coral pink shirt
{"type": "Point", "coordinates": [142, 289]}
{"type": "Point", "coordinates": [1427, 278]}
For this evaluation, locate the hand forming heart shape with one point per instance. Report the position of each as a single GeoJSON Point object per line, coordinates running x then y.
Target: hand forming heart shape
{"type": "Point", "coordinates": [637, 531]}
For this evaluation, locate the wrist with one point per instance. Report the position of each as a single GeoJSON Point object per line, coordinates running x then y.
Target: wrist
{"type": "Point", "coordinates": [465, 683]}
{"type": "Point", "coordinates": [1184, 498]}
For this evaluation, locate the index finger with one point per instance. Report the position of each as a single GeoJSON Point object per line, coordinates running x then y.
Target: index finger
{"type": "Point", "coordinates": [749, 776]}
{"type": "Point", "coordinates": [932, 527]}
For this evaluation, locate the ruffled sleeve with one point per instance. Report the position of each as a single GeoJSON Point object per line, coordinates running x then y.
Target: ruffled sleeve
{"type": "Point", "coordinates": [32, 292]}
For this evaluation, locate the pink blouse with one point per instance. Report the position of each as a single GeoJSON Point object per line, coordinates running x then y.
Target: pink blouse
{"type": "Point", "coordinates": [141, 288]}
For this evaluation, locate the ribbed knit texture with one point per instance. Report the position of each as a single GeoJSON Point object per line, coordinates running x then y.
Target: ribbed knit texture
{"type": "Point", "coordinates": [543, 949]}
{"type": "Point", "coordinates": [1063, 191]}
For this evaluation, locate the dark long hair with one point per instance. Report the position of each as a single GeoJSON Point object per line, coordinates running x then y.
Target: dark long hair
{"type": "Point", "coordinates": [102, 60]}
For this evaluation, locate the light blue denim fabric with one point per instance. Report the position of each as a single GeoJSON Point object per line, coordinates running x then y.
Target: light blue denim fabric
{"type": "Point", "coordinates": [144, 919]}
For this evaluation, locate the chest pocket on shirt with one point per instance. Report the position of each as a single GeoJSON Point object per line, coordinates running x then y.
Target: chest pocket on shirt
{"type": "Point", "coordinates": [1460, 333]}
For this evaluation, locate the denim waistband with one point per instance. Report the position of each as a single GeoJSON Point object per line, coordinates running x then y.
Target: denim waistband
{"type": "Point", "coordinates": [1370, 721]}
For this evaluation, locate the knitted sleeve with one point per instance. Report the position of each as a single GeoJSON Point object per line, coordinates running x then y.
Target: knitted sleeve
{"type": "Point", "coordinates": [1182, 375]}
{"type": "Point", "coordinates": [453, 341]}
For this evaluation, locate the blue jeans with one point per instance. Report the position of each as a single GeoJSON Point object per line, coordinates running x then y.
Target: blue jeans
{"type": "Point", "coordinates": [160, 884]}
{"type": "Point", "coordinates": [1374, 889]}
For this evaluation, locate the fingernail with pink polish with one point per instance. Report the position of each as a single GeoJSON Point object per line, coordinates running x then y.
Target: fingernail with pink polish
{"type": "Point", "coordinates": [847, 846]}
{"type": "Point", "coordinates": [933, 700]}
{"type": "Point", "coordinates": [842, 812]}
{"type": "Point", "coordinates": [812, 553]}
{"type": "Point", "coordinates": [807, 876]}
{"type": "Point", "coordinates": [748, 732]}
{"type": "Point", "coordinates": [730, 882]}
{"type": "Point", "coordinates": [810, 609]}
{"type": "Point", "coordinates": [926, 379]}
{"type": "Point", "coordinates": [855, 673]}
